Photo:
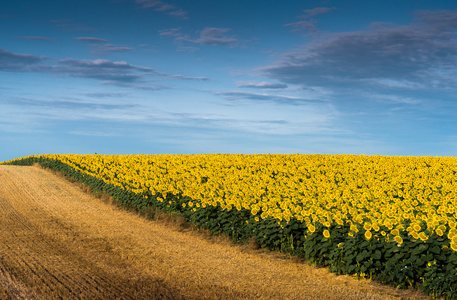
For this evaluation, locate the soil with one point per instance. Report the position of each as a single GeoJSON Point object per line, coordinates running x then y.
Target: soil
{"type": "Point", "coordinates": [59, 242]}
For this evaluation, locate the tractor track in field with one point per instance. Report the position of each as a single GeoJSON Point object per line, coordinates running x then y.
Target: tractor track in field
{"type": "Point", "coordinates": [58, 242]}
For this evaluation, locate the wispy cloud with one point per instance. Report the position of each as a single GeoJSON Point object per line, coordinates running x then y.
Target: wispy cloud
{"type": "Point", "coordinates": [395, 99]}
{"type": "Point", "coordinates": [36, 38]}
{"type": "Point", "coordinates": [103, 49]}
{"type": "Point", "coordinates": [91, 39]}
{"type": "Point", "coordinates": [141, 85]}
{"type": "Point", "coordinates": [301, 25]}
{"type": "Point", "coordinates": [405, 56]}
{"type": "Point", "coordinates": [309, 13]}
{"type": "Point", "coordinates": [10, 61]}
{"type": "Point", "coordinates": [187, 77]}
{"type": "Point", "coordinates": [102, 69]}
{"type": "Point", "coordinates": [104, 95]}
{"type": "Point", "coordinates": [158, 5]}
{"type": "Point", "coordinates": [99, 49]}
{"type": "Point", "coordinates": [67, 104]}
{"type": "Point", "coordinates": [207, 36]}
{"type": "Point", "coordinates": [170, 32]}
{"type": "Point", "coordinates": [237, 95]}
{"type": "Point", "coordinates": [211, 36]}
{"type": "Point", "coordinates": [262, 85]}
{"type": "Point", "coordinates": [118, 73]}
{"type": "Point", "coordinates": [179, 13]}
{"type": "Point", "coordinates": [308, 23]}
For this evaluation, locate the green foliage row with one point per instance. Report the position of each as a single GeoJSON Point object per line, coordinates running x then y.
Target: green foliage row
{"type": "Point", "coordinates": [430, 265]}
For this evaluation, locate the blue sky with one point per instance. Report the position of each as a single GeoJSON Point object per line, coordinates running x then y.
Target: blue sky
{"type": "Point", "coordinates": [205, 76]}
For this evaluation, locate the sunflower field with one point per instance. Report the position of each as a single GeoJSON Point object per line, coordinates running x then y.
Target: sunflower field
{"type": "Point", "coordinates": [390, 218]}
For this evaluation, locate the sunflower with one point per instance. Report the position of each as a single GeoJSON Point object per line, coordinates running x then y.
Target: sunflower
{"type": "Point", "coordinates": [354, 228]}
{"type": "Point", "coordinates": [311, 228]}
{"type": "Point", "coordinates": [326, 233]}
{"type": "Point", "coordinates": [454, 247]}
{"type": "Point", "coordinates": [398, 239]}
{"type": "Point", "coordinates": [423, 236]}
{"type": "Point", "coordinates": [416, 227]}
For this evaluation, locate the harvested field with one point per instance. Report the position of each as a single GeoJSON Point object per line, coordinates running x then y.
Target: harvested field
{"type": "Point", "coordinates": [58, 242]}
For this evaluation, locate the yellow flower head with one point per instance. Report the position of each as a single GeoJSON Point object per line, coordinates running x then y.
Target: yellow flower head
{"type": "Point", "coordinates": [423, 236]}
{"type": "Point", "coordinates": [454, 239]}
{"type": "Point", "coordinates": [311, 228]}
{"type": "Point", "coordinates": [442, 227]}
{"type": "Point", "coordinates": [354, 228]}
{"type": "Point", "coordinates": [368, 234]}
{"type": "Point", "coordinates": [416, 227]}
{"type": "Point", "coordinates": [398, 239]}
{"type": "Point", "coordinates": [454, 247]}
{"type": "Point", "coordinates": [326, 233]}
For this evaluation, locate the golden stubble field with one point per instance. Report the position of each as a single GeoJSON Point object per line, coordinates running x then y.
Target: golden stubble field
{"type": "Point", "coordinates": [59, 242]}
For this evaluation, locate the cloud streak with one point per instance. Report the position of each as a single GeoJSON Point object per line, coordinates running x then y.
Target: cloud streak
{"type": "Point", "coordinates": [262, 85]}
{"type": "Point", "coordinates": [208, 36]}
{"type": "Point", "coordinates": [289, 100]}
{"type": "Point", "coordinates": [102, 69]}
{"type": "Point", "coordinates": [211, 36]}
{"type": "Point", "coordinates": [90, 39]}
{"type": "Point", "coordinates": [35, 38]}
{"type": "Point", "coordinates": [187, 77]}
{"type": "Point", "coordinates": [98, 49]}
{"type": "Point", "coordinates": [169, 9]}
{"type": "Point", "coordinates": [118, 73]}
{"type": "Point", "coordinates": [103, 49]}
{"type": "Point", "coordinates": [65, 104]}
{"type": "Point", "coordinates": [308, 23]}
{"type": "Point", "coordinates": [10, 61]}
{"type": "Point", "coordinates": [309, 13]}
